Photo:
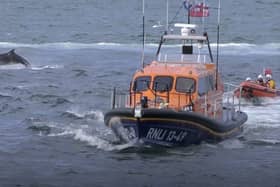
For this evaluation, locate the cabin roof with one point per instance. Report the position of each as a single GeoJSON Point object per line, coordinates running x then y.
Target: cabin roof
{"type": "Point", "coordinates": [177, 69]}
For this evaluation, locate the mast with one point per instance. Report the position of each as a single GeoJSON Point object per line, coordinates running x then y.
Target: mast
{"type": "Point", "coordinates": [143, 38]}
{"type": "Point", "coordinates": [218, 41]}
{"type": "Point", "coordinates": [189, 15]}
{"type": "Point", "coordinates": [167, 10]}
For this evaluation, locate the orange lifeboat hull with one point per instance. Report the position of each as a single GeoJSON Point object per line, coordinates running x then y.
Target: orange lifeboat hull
{"type": "Point", "coordinates": [250, 89]}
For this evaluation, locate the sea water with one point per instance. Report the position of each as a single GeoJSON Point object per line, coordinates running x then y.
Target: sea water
{"type": "Point", "coordinates": [52, 131]}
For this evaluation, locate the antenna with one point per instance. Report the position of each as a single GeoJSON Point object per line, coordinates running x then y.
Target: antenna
{"type": "Point", "coordinates": [143, 39]}
{"type": "Point", "coordinates": [218, 41]}
{"type": "Point", "coordinates": [167, 10]}
{"type": "Point", "coordinates": [189, 16]}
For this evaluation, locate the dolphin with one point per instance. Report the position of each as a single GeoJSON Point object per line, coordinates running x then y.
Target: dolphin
{"type": "Point", "coordinates": [12, 58]}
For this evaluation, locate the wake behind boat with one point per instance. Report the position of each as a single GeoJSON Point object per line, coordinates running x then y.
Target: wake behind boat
{"type": "Point", "coordinates": [177, 99]}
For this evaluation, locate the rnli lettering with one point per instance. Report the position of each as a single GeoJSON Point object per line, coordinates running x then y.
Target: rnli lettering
{"type": "Point", "coordinates": [156, 134]}
{"type": "Point", "coordinates": [166, 135]}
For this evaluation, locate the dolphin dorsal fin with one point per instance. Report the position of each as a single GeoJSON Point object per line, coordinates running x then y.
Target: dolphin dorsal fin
{"type": "Point", "coordinates": [12, 51]}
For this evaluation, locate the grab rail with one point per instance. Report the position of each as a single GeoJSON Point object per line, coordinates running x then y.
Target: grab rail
{"type": "Point", "coordinates": [184, 100]}
{"type": "Point", "coordinates": [230, 93]}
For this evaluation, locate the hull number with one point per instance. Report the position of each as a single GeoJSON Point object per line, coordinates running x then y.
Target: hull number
{"type": "Point", "coordinates": [166, 135]}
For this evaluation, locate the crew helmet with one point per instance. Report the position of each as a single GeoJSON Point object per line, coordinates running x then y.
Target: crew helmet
{"type": "Point", "coordinates": [260, 77]}
{"type": "Point", "coordinates": [268, 77]}
{"type": "Point", "coordinates": [248, 79]}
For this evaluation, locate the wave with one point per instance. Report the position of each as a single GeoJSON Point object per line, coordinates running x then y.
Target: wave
{"type": "Point", "coordinates": [76, 113]}
{"type": "Point", "coordinates": [226, 48]}
{"type": "Point", "coordinates": [264, 115]}
{"type": "Point", "coordinates": [53, 100]}
{"type": "Point", "coordinates": [37, 68]}
{"type": "Point", "coordinates": [264, 142]}
{"type": "Point", "coordinates": [99, 139]}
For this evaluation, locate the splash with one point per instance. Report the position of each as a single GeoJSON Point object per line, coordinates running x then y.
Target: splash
{"type": "Point", "coordinates": [93, 134]}
{"type": "Point", "coordinates": [263, 125]}
{"type": "Point", "coordinates": [77, 113]}
{"type": "Point", "coordinates": [265, 114]}
{"type": "Point", "coordinates": [12, 67]}
{"type": "Point", "coordinates": [99, 140]}
{"type": "Point", "coordinates": [38, 68]}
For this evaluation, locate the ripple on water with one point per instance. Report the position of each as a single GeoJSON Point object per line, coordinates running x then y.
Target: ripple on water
{"type": "Point", "coordinates": [52, 100]}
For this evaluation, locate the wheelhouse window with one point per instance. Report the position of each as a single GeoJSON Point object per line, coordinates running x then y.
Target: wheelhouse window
{"type": "Point", "coordinates": [206, 84]}
{"type": "Point", "coordinates": [162, 83]}
{"type": "Point", "coordinates": [185, 85]}
{"type": "Point", "coordinates": [141, 83]}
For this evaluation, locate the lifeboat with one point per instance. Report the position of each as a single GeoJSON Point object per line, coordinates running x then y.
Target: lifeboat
{"type": "Point", "coordinates": [178, 99]}
{"type": "Point", "coordinates": [252, 89]}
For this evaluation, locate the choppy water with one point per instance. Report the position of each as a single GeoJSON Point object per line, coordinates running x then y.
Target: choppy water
{"type": "Point", "coordinates": [51, 116]}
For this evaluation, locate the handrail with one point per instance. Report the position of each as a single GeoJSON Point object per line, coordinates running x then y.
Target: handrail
{"type": "Point", "coordinates": [184, 58]}
{"type": "Point", "coordinates": [133, 98]}
{"type": "Point", "coordinates": [231, 91]}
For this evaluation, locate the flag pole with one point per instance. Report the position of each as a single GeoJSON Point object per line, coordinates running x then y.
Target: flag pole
{"type": "Point", "coordinates": [143, 38]}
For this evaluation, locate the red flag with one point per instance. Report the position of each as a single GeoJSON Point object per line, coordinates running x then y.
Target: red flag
{"type": "Point", "coordinates": [199, 10]}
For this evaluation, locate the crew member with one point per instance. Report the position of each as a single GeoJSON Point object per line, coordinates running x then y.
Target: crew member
{"type": "Point", "coordinates": [248, 79]}
{"type": "Point", "coordinates": [270, 82]}
{"type": "Point", "coordinates": [260, 80]}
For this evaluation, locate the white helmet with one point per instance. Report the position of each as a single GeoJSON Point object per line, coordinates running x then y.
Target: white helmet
{"type": "Point", "coordinates": [260, 76]}
{"type": "Point", "coordinates": [248, 79]}
{"type": "Point", "coordinates": [268, 76]}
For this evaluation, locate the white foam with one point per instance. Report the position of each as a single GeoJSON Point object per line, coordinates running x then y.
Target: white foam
{"type": "Point", "coordinates": [80, 113]}
{"type": "Point", "coordinates": [98, 142]}
{"type": "Point", "coordinates": [267, 141]}
{"type": "Point", "coordinates": [267, 114]}
{"type": "Point", "coordinates": [12, 66]}
{"type": "Point", "coordinates": [232, 144]}
{"type": "Point", "coordinates": [36, 68]}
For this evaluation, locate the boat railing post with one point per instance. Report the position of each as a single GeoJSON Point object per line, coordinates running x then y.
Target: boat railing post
{"type": "Point", "coordinates": [168, 96]}
{"type": "Point", "coordinates": [119, 101]}
{"type": "Point", "coordinates": [113, 99]}
{"type": "Point", "coordinates": [179, 100]}
{"type": "Point", "coordinates": [123, 99]}
{"type": "Point", "coordinates": [134, 99]}
{"type": "Point", "coordinates": [155, 103]}
{"type": "Point", "coordinates": [228, 100]}
{"type": "Point", "coordinates": [239, 99]}
{"type": "Point", "coordinates": [215, 108]}
{"type": "Point", "coordinates": [130, 96]}
{"type": "Point", "coordinates": [205, 103]}
{"type": "Point", "coordinates": [127, 100]}
{"type": "Point", "coordinates": [233, 100]}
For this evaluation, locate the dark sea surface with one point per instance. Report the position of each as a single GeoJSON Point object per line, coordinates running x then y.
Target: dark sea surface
{"type": "Point", "coordinates": [52, 132]}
